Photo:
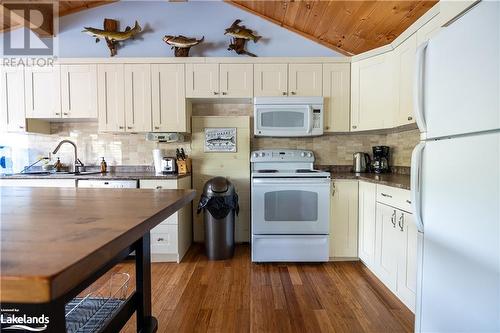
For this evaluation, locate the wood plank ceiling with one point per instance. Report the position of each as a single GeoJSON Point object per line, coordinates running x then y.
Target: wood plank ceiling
{"type": "Point", "coordinates": [350, 27]}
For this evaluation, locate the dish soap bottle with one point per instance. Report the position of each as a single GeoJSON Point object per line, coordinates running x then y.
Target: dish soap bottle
{"type": "Point", "coordinates": [58, 165]}
{"type": "Point", "coordinates": [104, 166]}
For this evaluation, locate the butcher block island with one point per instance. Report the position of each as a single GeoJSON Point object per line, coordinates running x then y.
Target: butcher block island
{"type": "Point", "coordinates": [56, 242]}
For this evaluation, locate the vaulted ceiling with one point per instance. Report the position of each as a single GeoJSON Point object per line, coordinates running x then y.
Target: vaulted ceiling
{"type": "Point", "coordinates": [349, 27]}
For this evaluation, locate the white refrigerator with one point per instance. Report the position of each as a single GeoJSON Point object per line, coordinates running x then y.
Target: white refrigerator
{"type": "Point", "coordinates": [456, 175]}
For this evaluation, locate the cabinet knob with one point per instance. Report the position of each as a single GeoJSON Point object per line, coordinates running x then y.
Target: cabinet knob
{"type": "Point", "coordinates": [327, 127]}
{"type": "Point", "coordinates": [410, 118]}
{"type": "Point", "coordinates": [284, 93]}
{"type": "Point", "coordinates": [161, 239]}
{"type": "Point", "coordinates": [65, 113]}
{"type": "Point", "coordinates": [120, 127]}
{"type": "Point", "coordinates": [294, 93]}
{"type": "Point", "coordinates": [21, 127]}
{"type": "Point", "coordinates": [159, 187]}
{"type": "Point", "coordinates": [224, 93]}
{"type": "Point", "coordinates": [129, 127]}
{"type": "Point", "coordinates": [354, 126]}
{"type": "Point", "coordinates": [58, 113]}
{"type": "Point", "coordinates": [157, 127]}
{"type": "Point", "coordinates": [216, 93]}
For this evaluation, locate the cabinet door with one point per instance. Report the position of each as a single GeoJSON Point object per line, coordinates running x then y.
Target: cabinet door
{"type": "Point", "coordinates": [305, 79]}
{"type": "Point", "coordinates": [43, 92]}
{"type": "Point", "coordinates": [404, 56]}
{"type": "Point", "coordinates": [367, 216]}
{"type": "Point", "coordinates": [202, 80]}
{"type": "Point", "coordinates": [12, 98]}
{"type": "Point", "coordinates": [386, 245]}
{"type": "Point", "coordinates": [110, 85]}
{"type": "Point", "coordinates": [170, 113]}
{"type": "Point", "coordinates": [236, 80]}
{"type": "Point", "coordinates": [270, 79]}
{"type": "Point", "coordinates": [79, 91]}
{"type": "Point", "coordinates": [372, 96]}
{"type": "Point", "coordinates": [344, 220]}
{"type": "Point", "coordinates": [337, 94]}
{"type": "Point", "coordinates": [138, 97]}
{"type": "Point", "coordinates": [407, 260]}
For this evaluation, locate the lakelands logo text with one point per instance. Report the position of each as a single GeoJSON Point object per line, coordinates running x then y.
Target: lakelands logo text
{"type": "Point", "coordinates": [24, 322]}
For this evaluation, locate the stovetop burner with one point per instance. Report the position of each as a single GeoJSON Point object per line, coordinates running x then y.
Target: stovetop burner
{"type": "Point", "coordinates": [268, 171]}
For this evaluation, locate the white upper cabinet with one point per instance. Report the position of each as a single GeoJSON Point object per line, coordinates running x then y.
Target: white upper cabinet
{"type": "Point", "coordinates": [170, 111]}
{"type": "Point", "coordinates": [305, 79]}
{"type": "Point", "coordinates": [42, 89]}
{"type": "Point", "coordinates": [138, 97]}
{"type": "Point", "coordinates": [111, 98]}
{"type": "Point", "coordinates": [236, 80]}
{"type": "Point", "coordinates": [202, 80]}
{"type": "Point", "coordinates": [79, 91]}
{"type": "Point", "coordinates": [372, 93]}
{"type": "Point", "coordinates": [12, 99]}
{"type": "Point", "coordinates": [344, 220]}
{"type": "Point", "coordinates": [367, 216]}
{"type": "Point", "coordinates": [337, 95]}
{"type": "Point", "coordinates": [404, 57]}
{"type": "Point", "coordinates": [270, 79]}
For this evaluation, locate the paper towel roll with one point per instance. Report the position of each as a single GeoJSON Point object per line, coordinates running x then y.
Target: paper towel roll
{"type": "Point", "coordinates": [157, 157]}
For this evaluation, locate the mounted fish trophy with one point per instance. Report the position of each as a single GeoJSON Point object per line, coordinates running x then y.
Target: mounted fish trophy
{"type": "Point", "coordinates": [182, 44]}
{"type": "Point", "coordinates": [111, 35]}
{"type": "Point", "coordinates": [240, 35]}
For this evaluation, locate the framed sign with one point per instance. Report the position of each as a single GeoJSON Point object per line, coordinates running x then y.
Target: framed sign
{"type": "Point", "coordinates": [220, 140]}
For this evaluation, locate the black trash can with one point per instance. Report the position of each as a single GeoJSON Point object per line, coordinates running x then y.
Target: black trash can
{"type": "Point", "coordinates": [219, 203]}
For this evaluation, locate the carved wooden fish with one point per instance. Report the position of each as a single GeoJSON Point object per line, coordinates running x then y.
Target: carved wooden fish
{"type": "Point", "coordinates": [182, 41]}
{"type": "Point", "coordinates": [115, 36]}
{"type": "Point", "coordinates": [237, 31]}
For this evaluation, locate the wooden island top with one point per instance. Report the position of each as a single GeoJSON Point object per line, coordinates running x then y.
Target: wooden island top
{"type": "Point", "coordinates": [54, 238]}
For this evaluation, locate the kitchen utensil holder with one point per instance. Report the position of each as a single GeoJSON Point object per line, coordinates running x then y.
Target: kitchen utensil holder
{"type": "Point", "coordinates": [88, 312]}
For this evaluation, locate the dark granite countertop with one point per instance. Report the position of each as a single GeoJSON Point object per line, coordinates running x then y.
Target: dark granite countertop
{"type": "Point", "coordinates": [97, 176]}
{"type": "Point", "coordinates": [389, 179]}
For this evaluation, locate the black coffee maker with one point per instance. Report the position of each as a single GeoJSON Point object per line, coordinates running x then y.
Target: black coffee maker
{"type": "Point", "coordinates": [380, 163]}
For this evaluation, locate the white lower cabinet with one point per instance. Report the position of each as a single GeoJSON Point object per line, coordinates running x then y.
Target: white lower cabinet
{"type": "Point", "coordinates": [171, 239]}
{"type": "Point", "coordinates": [344, 220]}
{"type": "Point", "coordinates": [406, 288]}
{"type": "Point", "coordinates": [388, 238]}
{"type": "Point", "coordinates": [38, 182]}
{"type": "Point", "coordinates": [366, 217]}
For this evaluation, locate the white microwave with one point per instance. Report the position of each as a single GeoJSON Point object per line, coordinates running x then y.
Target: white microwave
{"type": "Point", "coordinates": [288, 116]}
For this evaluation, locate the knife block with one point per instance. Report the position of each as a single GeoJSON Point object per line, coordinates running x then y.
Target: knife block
{"type": "Point", "coordinates": [184, 166]}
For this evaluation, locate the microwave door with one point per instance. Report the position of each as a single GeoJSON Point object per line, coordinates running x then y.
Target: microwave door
{"type": "Point", "coordinates": [283, 120]}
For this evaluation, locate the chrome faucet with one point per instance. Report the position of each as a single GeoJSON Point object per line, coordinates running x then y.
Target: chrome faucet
{"type": "Point", "coordinates": [78, 164]}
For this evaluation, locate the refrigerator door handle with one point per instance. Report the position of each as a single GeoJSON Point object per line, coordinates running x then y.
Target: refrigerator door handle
{"type": "Point", "coordinates": [418, 87]}
{"type": "Point", "coordinates": [415, 182]}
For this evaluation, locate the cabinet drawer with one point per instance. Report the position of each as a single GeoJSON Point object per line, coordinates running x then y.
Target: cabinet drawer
{"type": "Point", "coordinates": [164, 239]}
{"type": "Point", "coordinates": [163, 184]}
{"type": "Point", "coordinates": [395, 197]}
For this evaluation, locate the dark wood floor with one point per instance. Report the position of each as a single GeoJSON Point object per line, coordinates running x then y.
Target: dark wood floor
{"type": "Point", "coordinates": [235, 295]}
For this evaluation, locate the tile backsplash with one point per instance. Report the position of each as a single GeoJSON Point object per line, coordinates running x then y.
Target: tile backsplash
{"type": "Point", "coordinates": [133, 149]}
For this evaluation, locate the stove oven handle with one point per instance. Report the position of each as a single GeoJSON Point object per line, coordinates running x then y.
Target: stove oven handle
{"type": "Point", "coordinates": [292, 181]}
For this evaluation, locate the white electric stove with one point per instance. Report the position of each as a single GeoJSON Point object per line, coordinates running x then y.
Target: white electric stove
{"type": "Point", "coordinates": [290, 207]}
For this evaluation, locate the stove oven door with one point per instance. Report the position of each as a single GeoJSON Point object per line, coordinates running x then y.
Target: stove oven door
{"type": "Point", "coordinates": [298, 206]}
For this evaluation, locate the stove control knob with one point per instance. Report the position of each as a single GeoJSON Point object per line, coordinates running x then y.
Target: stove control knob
{"type": "Point", "coordinates": [262, 154]}
{"type": "Point", "coordinates": [309, 155]}
{"type": "Point", "coordinates": [303, 154]}
{"type": "Point", "coordinates": [255, 154]}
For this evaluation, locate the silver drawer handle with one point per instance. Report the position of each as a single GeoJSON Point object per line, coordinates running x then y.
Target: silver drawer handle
{"type": "Point", "coordinates": [159, 187]}
{"type": "Point", "coordinates": [400, 222]}
{"type": "Point", "coordinates": [393, 219]}
{"type": "Point", "coordinates": [408, 202]}
{"type": "Point", "coordinates": [161, 239]}
{"type": "Point", "coordinates": [386, 195]}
